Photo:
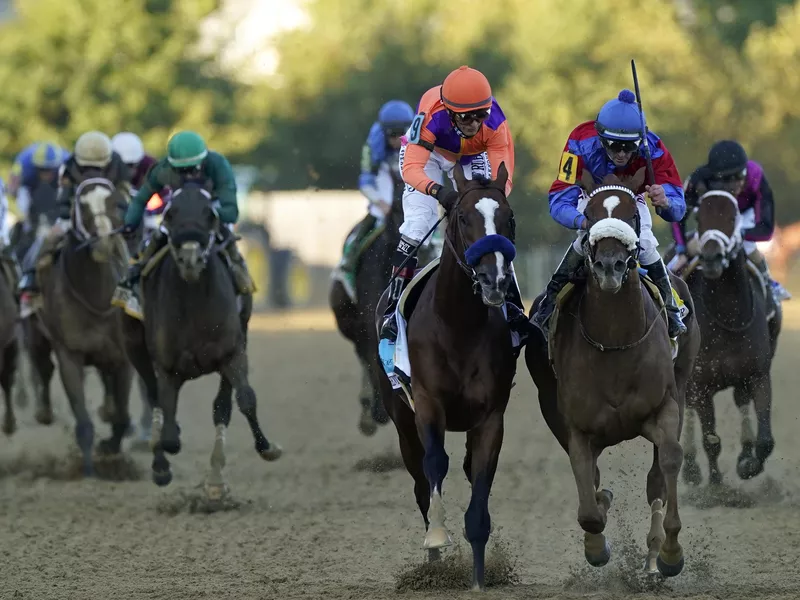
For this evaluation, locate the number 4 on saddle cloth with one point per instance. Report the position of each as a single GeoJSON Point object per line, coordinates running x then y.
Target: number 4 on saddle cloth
{"type": "Point", "coordinates": [394, 356]}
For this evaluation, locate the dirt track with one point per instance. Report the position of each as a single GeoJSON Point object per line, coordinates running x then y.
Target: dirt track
{"type": "Point", "coordinates": [317, 525]}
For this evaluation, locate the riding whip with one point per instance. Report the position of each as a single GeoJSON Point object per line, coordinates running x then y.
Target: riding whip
{"type": "Point", "coordinates": [648, 159]}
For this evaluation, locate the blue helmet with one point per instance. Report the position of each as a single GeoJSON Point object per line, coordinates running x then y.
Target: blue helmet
{"type": "Point", "coordinates": [395, 114]}
{"type": "Point", "coordinates": [619, 119]}
{"type": "Point", "coordinates": [47, 156]}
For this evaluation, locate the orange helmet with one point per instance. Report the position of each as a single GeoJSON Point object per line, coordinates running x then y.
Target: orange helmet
{"type": "Point", "coordinates": [465, 90]}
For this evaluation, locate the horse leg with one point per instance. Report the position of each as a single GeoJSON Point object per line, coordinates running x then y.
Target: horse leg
{"type": "Point", "coordinates": [215, 485]}
{"type": "Point", "coordinates": [593, 505]}
{"type": "Point", "coordinates": [106, 410]}
{"type": "Point", "coordinates": [691, 470]}
{"type": "Point", "coordinates": [704, 404]}
{"type": "Point", "coordinates": [146, 420]}
{"type": "Point", "coordinates": [663, 431]}
{"type": "Point", "coordinates": [236, 373]}
{"type": "Point", "coordinates": [21, 384]}
{"type": "Point", "coordinates": [760, 389]}
{"type": "Point", "coordinates": [7, 371]}
{"type": "Point", "coordinates": [366, 424]}
{"type": "Point", "coordinates": [119, 381]}
{"type": "Point", "coordinates": [430, 429]}
{"type": "Point", "coordinates": [746, 462]}
{"type": "Point", "coordinates": [41, 373]}
{"type": "Point", "coordinates": [70, 367]}
{"type": "Point", "coordinates": [169, 435]}
{"type": "Point", "coordinates": [656, 492]}
{"type": "Point", "coordinates": [486, 442]}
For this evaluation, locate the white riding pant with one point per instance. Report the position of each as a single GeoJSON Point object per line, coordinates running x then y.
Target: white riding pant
{"type": "Point", "coordinates": [421, 211]}
{"type": "Point", "coordinates": [748, 220]}
{"type": "Point", "coordinates": [647, 241]}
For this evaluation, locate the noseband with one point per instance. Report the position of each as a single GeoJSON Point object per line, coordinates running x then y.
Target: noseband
{"type": "Point", "coordinates": [590, 249]}
{"type": "Point", "coordinates": [209, 243]}
{"type": "Point", "coordinates": [730, 244]}
{"type": "Point", "coordinates": [84, 235]}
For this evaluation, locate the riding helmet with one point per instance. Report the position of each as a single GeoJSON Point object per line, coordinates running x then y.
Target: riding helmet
{"type": "Point", "coordinates": [726, 158]}
{"type": "Point", "coordinates": [93, 149]}
{"type": "Point", "coordinates": [619, 118]}
{"type": "Point", "coordinates": [466, 90]}
{"type": "Point", "coordinates": [186, 149]}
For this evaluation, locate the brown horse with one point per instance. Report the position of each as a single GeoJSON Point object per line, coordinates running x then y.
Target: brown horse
{"type": "Point", "coordinates": [462, 360]}
{"type": "Point", "coordinates": [739, 342]}
{"type": "Point", "coordinates": [616, 380]}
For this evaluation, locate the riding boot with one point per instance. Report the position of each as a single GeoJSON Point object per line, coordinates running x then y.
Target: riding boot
{"type": "Point", "coordinates": [157, 241]}
{"type": "Point", "coordinates": [517, 320]}
{"type": "Point", "coordinates": [400, 279]}
{"type": "Point", "coordinates": [658, 273]}
{"type": "Point", "coordinates": [241, 275]}
{"type": "Point", "coordinates": [571, 262]}
{"type": "Point", "coordinates": [352, 251]}
{"type": "Point", "coordinates": [778, 291]}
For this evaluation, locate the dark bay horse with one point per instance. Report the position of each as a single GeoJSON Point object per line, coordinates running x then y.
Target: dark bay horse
{"type": "Point", "coordinates": [739, 343]}
{"type": "Point", "coordinates": [193, 326]}
{"type": "Point", "coordinates": [463, 364]}
{"type": "Point", "coordinates": [77, 317]}
{"type": "Point", "coordinates": [356, 320]}
{"type": "Point", "coordinates": [9, 351]}
{"type": "Point", "coordinates": [612, 377]}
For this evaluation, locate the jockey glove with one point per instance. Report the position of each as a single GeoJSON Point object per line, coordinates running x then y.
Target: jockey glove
{"type": "Point", "coordinates": [446, 199]}
{"type": "Point", "coordinates": [128, 230]}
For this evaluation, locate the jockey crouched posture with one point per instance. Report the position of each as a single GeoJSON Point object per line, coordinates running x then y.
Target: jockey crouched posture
{"type": "Point", "coordinates": [379, 158]}
{"type": "Point", "coordinates": [188, 159]}
{"type": "Point", "coordinates": [456, 121]}
{"type": "Point", "coordinates": [729, 169]}
{"type": "Point", "coordinates": [93, 157]}
{"type": "Point", "coordinates": [612, 144]}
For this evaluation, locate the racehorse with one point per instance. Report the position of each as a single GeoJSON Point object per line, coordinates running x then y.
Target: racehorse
{"type": "Point", "coordinates": [77, 318]}
{"type": "Point", "coordinates": [733, 302]}
{"type": "Point", "coordinates": [193, 327]}
{"type": "Point", "coordinates": [355, 320]}
{"type": "Point", "coordinates": [9, 350]}
{"type": "Point", "coordinates": [463, 364]}
{"type": "Point", "coordinates": [612, 377]}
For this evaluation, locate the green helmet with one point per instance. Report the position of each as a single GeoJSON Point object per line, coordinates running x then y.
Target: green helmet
{"type": "Point", "coordinates": [186, 149]}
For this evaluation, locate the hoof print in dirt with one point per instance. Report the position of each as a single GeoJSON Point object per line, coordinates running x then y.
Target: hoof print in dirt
{"type": "Point", "coordinates": [197, 501]}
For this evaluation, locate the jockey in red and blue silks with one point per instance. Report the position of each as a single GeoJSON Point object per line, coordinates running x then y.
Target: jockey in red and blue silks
{"type": "Point", "coordinates": [612, 144]}
{"type": "Point", "coordinates": [729, 169]}
{"type": "Point", "coordinates": [379, 181]}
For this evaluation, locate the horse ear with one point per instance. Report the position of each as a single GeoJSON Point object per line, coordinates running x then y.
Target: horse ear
{"type": "Point", "coordinates": [587, 181]}
{"type": "Point", "coordinates": [502, 177]}
{"type": "Point", "coordinates": [611, 179]}
{"type": "Point", "coordinates": [461, 180]}
{"type": "Point", "coordinates": [637, 180]}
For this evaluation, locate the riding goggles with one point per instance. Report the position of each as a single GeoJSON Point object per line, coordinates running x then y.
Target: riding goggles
{"type": "Point", "coordinates": [475, 116]}
{"type": "Point", "coordinates": [718, 178]}
{"type": "Point", "coordinates": [615, 146]}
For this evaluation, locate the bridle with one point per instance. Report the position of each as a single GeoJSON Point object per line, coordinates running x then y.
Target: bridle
{"type": "Point", "coordinates": [730, 244]}
{"type": "Point", "coordinates": [209, 243]}
{"type": "Point", "coordinates": [633, 254]}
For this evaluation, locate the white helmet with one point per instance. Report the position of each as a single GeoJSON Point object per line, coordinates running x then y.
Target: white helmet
{"type": "Point", "coordinates": [129, 147]}
{"type": "Point", "coordinates": [93, 149]}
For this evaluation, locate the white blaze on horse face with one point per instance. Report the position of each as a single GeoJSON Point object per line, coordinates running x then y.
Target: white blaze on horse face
{"type": "Point", "coordinates": [487, 207]}
{"type": "Point", "coordinates": [95, 200]}
{"type": "Point", "coordinates": [610, 204]}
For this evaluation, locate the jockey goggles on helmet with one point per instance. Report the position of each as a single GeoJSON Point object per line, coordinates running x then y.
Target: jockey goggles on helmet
{"type": "Point", "coordinates": [473, 116]}
{"type": "Point", "coordinates": [615, 146]}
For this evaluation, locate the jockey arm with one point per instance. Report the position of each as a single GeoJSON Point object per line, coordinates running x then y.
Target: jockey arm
{"type": "Point", "coordinates": [370, 165]}
{"type": "Point", "coordinates": [565, 192]}
{"type": "Point", "coordinates": [691, 197]}
{"type": "Point", "coordinates": [764, 207]}
{"type": "Point", "coordinates": [416, 157]}
{"type": "Point", "coordinates": [500, 149]}
{"type": "Point", "coordinates": [224, 188]}
{"type": "Point", "coordinates": [66, 187]}
{"type": "Point", "coordinates": [666, 175]}
{"type": "Point", "coordinates": [150, 185]}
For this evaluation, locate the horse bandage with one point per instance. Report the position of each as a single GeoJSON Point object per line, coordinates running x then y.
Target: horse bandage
{"type": "Point", "coordinates": [613, 228]}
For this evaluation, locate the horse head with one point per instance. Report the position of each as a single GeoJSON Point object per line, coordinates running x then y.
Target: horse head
{"type": "Point", "coordinates": [98, 215]}
{"type": "Point", "coordinates": [718, 226]}
{"type": "Point", "coordinates": [481, 225]}
{"type": "Point", "coordinates": [191, 224]}
{"type": "Point", "coordinates": [613, 240]}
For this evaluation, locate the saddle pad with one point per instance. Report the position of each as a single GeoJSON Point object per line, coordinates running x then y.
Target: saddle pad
{"type": "Point", "coordinates": [410, 296]}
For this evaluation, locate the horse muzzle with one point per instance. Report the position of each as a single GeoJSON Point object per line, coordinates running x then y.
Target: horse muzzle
{"type": "Point", "coordinates": [713, 265]}
{"type": "Point", "coordinates": [493, 284]}
{"type": "Point", "coordinates": [191, 260]}
{"type": "Point", "coordinates": [609, 272]}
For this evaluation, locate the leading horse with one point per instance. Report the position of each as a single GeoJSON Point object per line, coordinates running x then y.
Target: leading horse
{"type": "Point", "coordinates": [463, 364]}
{"type": "Point", "coordinates": [733, 302]}
{"type": "Point", "coordinates": [193, 326]}
{"type": "Point", "coordinates": [612, 377]}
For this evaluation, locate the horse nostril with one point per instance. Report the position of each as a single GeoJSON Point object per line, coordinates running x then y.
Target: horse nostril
{"type": "Point", "coordinates": [620, 266]}
{"type": "Point", "coordinates": [484, 279]}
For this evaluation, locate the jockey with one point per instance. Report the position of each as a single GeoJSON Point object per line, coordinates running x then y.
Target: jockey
{"type": "Point", "coordinates": [612, 144]}
{"type": "Point", "coordinates": [130, 148]}
{"type": "Point", "coordinates": [728, 169]}
{"type": "Point", "coordinates": [37, 168]}
{"type": "Point", "coordinates": [456, 121]}
{"type": "Point", "coordinates": [188, 159]}
{"type": "Point", "coordinates": [378, 154]}
{"type": "Point", "coordinates": [93, 157]}
{"type": "Point", "coordinates": [33, 162]}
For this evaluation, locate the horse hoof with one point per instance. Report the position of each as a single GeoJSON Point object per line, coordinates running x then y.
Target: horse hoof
{"type": "Point", "coordinates": [437, 537]}
{"type": "Point", "coordinates": [594, 556]}
{"type": "Point", "coordinates": [434, 555]}
{"type": "Point", "coordinates": [44, 416]}
{"type": "Point", "coordinates": [107, 448]}
{"type": "Point", "coordinates": [130, 431]}
{"type": "Point", "coordinates": [171, 446]}
{"type": "Point", "coordinates": [366, 424]}
{"type": "Point", "coordinates": [668, 570]}
{"type": "Point", "coordinates": [162, 478]}
{"type": "Point", "coordinates": [9, 426]}
{"type": "Point", "coordinates": [749, 467]}
{"type": "Point", "coordinates": [104, 413]}
{"type": "Point", "coordinates": [274, 452]}
{"type": "Point", "coordinates": [692, 474]}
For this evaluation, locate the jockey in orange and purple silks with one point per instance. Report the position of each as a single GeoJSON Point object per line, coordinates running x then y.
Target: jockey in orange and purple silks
{"type": "Point", "coordinates": [729, 169]}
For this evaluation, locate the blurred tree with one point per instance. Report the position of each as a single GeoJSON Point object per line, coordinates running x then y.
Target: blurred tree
{"type": "Point", "coordinates": [67, 67]}
{"type": "Point", "coordinates": [732, 20]}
